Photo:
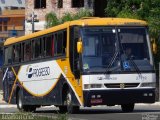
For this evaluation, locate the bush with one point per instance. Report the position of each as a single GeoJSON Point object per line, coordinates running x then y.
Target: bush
{"type": "Point", "coordinates": [32, 116]}
{"type": "Point", "coordinates": [82, 13]}
{"type": "Point", "coordinates": [66, 17]}
{"type": "Point", "coordinates": [52, 20]}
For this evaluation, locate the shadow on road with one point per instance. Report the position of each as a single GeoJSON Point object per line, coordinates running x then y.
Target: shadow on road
{"type": "Point", "coordinates": [99, 111]}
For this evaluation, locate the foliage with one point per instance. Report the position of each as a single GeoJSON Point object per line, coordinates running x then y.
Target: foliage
{"type": "Point", "coordinates": [66, 17]}
{"type": "Point", "coordinates": [148, 10]}
{"type": "Point", "coordinates": [32, 116]}
{"type": "Point", "coordinates": [82, 13]}
{"type": "Point", "coordinates": [52, 20]}
{"type": "Point", "coordinates": [62, 117]}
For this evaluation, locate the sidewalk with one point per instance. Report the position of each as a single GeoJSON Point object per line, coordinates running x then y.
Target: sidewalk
{"type": "Point", "coordinates": [156, 103]}
{"type": "Point", "coordinates": [1, 97]}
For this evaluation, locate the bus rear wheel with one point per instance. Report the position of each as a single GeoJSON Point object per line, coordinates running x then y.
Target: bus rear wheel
{"type": "Point", "coordinates": [127, 107]}
{"type": "Point", "coordinates": [20, 105]}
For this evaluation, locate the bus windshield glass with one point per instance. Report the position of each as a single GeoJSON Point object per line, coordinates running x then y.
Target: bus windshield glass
{"type": "Point", "coordinates": [115, 49]}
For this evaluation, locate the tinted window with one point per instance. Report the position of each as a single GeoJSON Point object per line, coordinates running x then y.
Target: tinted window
{"type": "Point", "coordinates": [17, 53]}
{"type": "Point", "coordinates": [27, 51]}
{"type": "Point", "coordinates": [40, 4]}
{"type": "Point", "coordinates": [8, 55]}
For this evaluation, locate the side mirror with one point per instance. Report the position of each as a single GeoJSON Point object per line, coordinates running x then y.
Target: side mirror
{"type": "Point", "coordinates": [79, 46]}
{"type": "Point", "coordinates": [154, 47]}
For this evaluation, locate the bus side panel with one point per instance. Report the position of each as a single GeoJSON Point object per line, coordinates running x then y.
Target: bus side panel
{"type": "Point", "coordinates": [54, 97]}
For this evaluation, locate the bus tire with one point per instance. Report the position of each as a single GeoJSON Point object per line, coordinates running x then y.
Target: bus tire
{"type": "Point", "coordinates": [68, 101]}
{"type": "Point", "coordinates": [20, 105]}
{"type": "Point", "coordinates": [127, 107]}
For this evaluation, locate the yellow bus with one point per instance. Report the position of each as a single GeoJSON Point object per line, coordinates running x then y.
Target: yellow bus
{"type": "Point", "coordinates": [86, 62]}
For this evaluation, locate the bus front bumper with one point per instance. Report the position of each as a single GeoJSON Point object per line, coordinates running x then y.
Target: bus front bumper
{"type": "Point", "coordinates": [119, 96]}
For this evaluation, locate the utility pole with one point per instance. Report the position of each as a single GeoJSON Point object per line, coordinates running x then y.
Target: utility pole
{"type": "Point", "coordinates": [32, 20]}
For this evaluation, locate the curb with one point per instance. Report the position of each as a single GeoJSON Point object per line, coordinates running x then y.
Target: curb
{"type": "Point", "coordinates": [8, 106]}
{"type": "Point", "coordinates": [156, 103]}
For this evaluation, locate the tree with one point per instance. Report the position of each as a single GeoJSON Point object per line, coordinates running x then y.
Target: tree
{"type": "Point", "coordinates": [52, 20]}
{"type": "Point", "coordinates": [148, 10]}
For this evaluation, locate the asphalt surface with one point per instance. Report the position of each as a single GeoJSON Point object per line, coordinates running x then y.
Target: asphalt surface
{"type": "Point", "coordinates": [141, 112]}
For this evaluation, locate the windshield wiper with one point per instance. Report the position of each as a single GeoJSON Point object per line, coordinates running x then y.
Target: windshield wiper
{"type": "Point", "coordinates": [135, 66]}
{"type": "Point", "coordinates": [111, 62]}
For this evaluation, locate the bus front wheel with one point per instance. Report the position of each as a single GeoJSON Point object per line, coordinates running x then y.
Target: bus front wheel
{"type": "Point", "coordinates": [21, 106]}
{"type": "Point", "coordinates": [127, 107]}
{"type": "Point", "coordinates": [68, 106]}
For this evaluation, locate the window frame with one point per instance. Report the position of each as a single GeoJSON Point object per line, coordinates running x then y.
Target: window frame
{"type": "Point", "coordinates": [38, 4]}
{"type": "Point", "coordinates": [60, 4]}
{"type": "Point", "coordinates": [77, 3]}
{"type": "Point", "coordinates": [43, 39]}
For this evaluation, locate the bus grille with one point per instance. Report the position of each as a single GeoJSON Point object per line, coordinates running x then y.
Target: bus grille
{"type": "Point", "coordinates": [122, 85]}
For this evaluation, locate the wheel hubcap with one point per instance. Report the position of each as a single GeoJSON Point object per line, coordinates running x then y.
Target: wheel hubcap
{"type": "Point", "coordinates": [68, 99]}
{"type": "Point", "coordinates": [20, 102]}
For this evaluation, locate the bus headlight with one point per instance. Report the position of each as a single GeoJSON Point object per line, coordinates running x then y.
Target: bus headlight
{"type": "Point", "coordinates": [150, 84]}
{"type": "Point", "coordinates": [88, 86]}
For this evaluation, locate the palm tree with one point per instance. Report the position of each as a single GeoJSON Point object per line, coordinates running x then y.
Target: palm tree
{"type": "Point", "coordinates": [51, 20]}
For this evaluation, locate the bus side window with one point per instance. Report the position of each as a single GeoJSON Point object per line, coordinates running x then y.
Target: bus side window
{"type": "Point", "coordinates": [27, 51]}
{"type": "Point", "coordinates": [8, 55]}
{"type": "Point", "coordinates": [60, 43]}
{"type": "Point", "coordinates": [1, 57]}
{"type": "Point", "coordinates": [43, 47]}
{"type": "Point", "coordinates": [49, 46]}
{"type": "Point", "coordinates": [16, 53]}
{"type": "Point", "coordinates": [22, 51]}
{"type": "Point", "coordinates": [37, 48]}
{"type": "Point", "coordinates": [55, 44]}
{"type": "Point", "coordinates": [33, 48]}
{"type": "Point", "coordinates": [64, 42]}
{"type": "Point", "coordinates": [52, 45]}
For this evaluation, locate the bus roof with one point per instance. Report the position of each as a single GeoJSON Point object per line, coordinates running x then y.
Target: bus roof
{"type": "Point", "coordinates": [88, 21]}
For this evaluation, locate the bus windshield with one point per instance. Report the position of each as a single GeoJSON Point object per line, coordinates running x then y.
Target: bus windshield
{"type": "Point", "coordinates": [115, 49]}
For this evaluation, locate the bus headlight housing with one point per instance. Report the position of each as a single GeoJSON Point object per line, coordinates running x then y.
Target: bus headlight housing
{"type": "Point", "coordinates": [148, 84]}
{"type": "Point", "coordinates": [88, 86]}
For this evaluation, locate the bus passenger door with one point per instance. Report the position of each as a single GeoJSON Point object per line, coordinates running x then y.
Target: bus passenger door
{"type": "Point", "coordinates": [8, 82]}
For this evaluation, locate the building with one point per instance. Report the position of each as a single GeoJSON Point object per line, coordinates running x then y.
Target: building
{"type": "Point", "coordinates": [42, 7]}
{"type": "Point", "coordinates": [12, 18]}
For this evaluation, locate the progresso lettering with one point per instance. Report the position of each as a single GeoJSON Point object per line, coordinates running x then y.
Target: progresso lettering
{"type": "Point", "coordinates": [41, 72]}
{"type": "Point", "coordinates": [38, 72]}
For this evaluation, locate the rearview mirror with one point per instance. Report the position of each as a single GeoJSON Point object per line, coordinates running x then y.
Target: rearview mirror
{"type": "Point", "coordinates": [79, 46]}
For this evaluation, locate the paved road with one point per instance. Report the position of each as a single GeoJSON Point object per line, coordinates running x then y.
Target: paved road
{"type": "Point", "coordinates": [141, 112]}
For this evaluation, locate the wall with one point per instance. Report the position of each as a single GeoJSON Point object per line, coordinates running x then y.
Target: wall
{"type": "Point", "coordinates": [51, 6]}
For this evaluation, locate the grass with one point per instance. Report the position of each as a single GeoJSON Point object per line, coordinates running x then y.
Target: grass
{"type": "Point", "coordinates": [31, 116]}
